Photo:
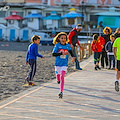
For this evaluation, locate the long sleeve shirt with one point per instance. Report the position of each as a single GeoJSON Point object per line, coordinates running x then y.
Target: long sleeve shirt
{"type": "Point", "coordinates": [32, 52]}
{"type": "Point", "coordinates": [73, 37]}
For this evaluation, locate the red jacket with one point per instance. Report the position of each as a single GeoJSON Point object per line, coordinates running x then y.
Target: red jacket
{"type": "Point", "coordinates": [99, 43]}
{"type": "Point", "coordinates": [71, 35]}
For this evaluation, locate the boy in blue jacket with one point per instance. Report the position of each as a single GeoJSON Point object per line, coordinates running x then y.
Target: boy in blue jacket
{"type": "Point", "coordinates": [31, 58]}
{"type": "Point", "coordinates": [109, 50]}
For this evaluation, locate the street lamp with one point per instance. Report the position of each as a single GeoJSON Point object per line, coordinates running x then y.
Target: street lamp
{"type": "Point", "coordinates": [82, 10]}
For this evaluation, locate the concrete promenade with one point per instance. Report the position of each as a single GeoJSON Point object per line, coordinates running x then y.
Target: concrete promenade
{"type": "Point", "coordinates": [88, 95]}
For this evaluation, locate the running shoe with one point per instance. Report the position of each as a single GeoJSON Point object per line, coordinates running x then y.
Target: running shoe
{"type": "Point", "coordinates": [79, 69]}
{"type": "Point", "coordinates": [60, 95]}
{"type": "Point", "coordinates": [31, 83]}
{"type": "Point", "coordinates": [117, 86]}
{"type": "Point", "coordinates": [98, 67]}
{"type": "Point", "coordinates": [58, 82]}
{"type": "Point", "coordinates": [95, 68]}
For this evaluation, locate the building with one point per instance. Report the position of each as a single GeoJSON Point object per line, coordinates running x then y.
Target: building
{"type": "Point", "coordinates": [3, 29]}
{"type": "Point", "coordinates": [34, 20]}
{"type": "Point", "coordinates": [110, 18]}
{"type": "Point", "coordinates": [14, 20]}
{"type": "Point", "coordinates": [88, 8]}
{"type": "Point", "coordinates": [53, 21]}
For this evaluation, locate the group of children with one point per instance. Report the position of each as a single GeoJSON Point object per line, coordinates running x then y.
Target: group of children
{"type": "Point", "coordinates": [61, 51]}
{"type": "Point", "coordinates": [98, 44]}
{"type": "Point", "coordinates": [112, 48]}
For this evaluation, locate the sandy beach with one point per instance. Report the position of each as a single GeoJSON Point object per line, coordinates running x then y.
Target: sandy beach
{"type": "Point", "coordinates": [13, 69]}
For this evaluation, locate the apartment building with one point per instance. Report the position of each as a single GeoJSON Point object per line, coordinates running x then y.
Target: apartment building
{"type": "Point", "coordinates": [86, 7]}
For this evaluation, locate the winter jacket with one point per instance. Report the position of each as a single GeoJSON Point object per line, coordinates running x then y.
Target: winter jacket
{"type": "Point", "coordinates": [97, 46]}
{"type": "Point", "coordinates": [109, 46]}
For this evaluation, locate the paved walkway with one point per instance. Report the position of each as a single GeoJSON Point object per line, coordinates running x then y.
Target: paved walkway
{"type": "Point", "coordinates": [88, 95]}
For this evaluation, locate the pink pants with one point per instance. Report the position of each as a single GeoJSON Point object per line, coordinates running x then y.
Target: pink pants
{"type": "Point", "coordinates": [60, 77]}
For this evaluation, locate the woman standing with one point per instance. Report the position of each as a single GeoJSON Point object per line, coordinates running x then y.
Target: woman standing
{"type": "Point", "coordinates": [107, 32]}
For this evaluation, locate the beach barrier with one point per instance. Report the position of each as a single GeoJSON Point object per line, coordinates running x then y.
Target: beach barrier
{"type": "Point", "coordinates": [85, 53]}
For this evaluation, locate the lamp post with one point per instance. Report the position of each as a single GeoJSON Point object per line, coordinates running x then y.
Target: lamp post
{"type": "Point", "coordinates": [82, 10]}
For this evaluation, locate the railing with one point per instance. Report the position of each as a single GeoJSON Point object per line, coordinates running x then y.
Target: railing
{"type": "Point", "coordinates": [85, 53]}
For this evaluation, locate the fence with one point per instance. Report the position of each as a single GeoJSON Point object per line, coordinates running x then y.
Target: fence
{"type": "Point", "coordinates": [85, 53]}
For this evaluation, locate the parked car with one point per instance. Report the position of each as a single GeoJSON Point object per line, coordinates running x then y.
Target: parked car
{"type": "Point", "coordinates": [45, 38]}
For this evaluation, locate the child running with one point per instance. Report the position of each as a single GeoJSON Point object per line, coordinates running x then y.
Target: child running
{"type": "Point", "coordinates": [109, 50]}
{"type": "Point", "coordinates": [97, 46]}
{"type": "Point", "coordinates": [31, 58]}
{"type": "Point", "coordinates": [60, 51]}
{"type": "Point", "coordinates": [116, 50]}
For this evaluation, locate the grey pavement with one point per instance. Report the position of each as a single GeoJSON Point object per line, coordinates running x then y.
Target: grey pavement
{"type": "Point", "coordinates": [88, 95]}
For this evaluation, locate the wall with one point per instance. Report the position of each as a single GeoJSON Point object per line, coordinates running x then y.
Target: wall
{"type": "Point", "coordinates": [53, 24]}
{"type": "Point", "coordinates": [17, 32]}
{"type": "Point", "coordinates": [33, 1]}
{"type": "Point", "coordinates": [15, 1]}
{"type": "Point", "coordinates": [34, 24]}
{"type": "Point", "coordinates": [113, 21]}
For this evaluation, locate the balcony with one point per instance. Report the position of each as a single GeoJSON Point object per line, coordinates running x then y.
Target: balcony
{"type": "Point", "coordinates": [65, 2]}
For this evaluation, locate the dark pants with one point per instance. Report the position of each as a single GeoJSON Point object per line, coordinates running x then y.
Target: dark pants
{"type": "Point", "coordinates": [96, 57]}
{"type": "Point", "coordinates": [104, 56]}
{"type": "Point", "coordinates": [110, 58]}
{"type": "Point", "coordinates": [32, 71]}
{"type": "Point", "coordinates": [77, 64]}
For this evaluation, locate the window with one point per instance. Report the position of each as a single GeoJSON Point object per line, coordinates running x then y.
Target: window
{"type": "Point", "coordinates": [20, 14]}
{"type": "Point", "coordinates": [44, 1]}
{"type": "Point", "coordinates": [2, 13]}
{"type": "Point", "coordinates": [11, 21]}
{"type": "Point", "coordinates": [30, 19]}
{"type": "Point", "coordinates": [47, 14]}
{"type": "Point", "coordinates": [71, 21]}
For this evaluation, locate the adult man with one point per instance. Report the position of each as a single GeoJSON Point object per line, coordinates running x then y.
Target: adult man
{"type": "Point", "coordinates": [73, 40]}
{"type": "Point", "coordinates": [116, 50]}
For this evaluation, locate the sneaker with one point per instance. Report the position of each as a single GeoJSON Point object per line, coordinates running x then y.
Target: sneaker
{"type": "Point", "coordinates": [31, 83]}
{"type": "Point", "coordinates": [98, 67]}
{"type": "Point", "coordinates": [113, 68]}
{"type": "Point", "coordinates": [60, 95]}
{"type": "Point", "coordinates": [117, 86]}
{"type": "Point", "coordinates": [58, 82]}
{"type": "Point", "coordinates": [79, 69]}
{"type": "Point", "coordinates": [109, 68]}
{"type": "Point", "coordinates": [95, 68]}
{"type": "Point", "coordinates": [106, 67]}
{"type": "Point", "coordinates": [102, 67]}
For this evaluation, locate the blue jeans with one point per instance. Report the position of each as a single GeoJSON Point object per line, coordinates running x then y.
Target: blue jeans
{"type": "Point", "coordinates": [76, 61]}
{"type": "Point", "coordinates": [110, 58]}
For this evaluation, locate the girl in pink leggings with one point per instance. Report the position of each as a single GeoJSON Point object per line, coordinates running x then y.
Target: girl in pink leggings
{"type": "Point", "coordinates": [60, 51]}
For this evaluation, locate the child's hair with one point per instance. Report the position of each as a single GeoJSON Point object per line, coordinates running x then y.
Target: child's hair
{"type": "Point", "coordinates": [107, 28]}
{"type": "Point", "coordinates": [112, 35]}
{"type": "Point", "coordinates": [95, 37]}
{"type": "Point", "coordinates": [117, 30]}
{"type": "Point", "coordinates": [56, 38]}
{"type": "Point", "coordinates": [35, 37]}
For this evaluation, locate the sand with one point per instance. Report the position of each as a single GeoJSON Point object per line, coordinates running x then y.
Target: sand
{"type": "Point", "coordinates": [13, 69]}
